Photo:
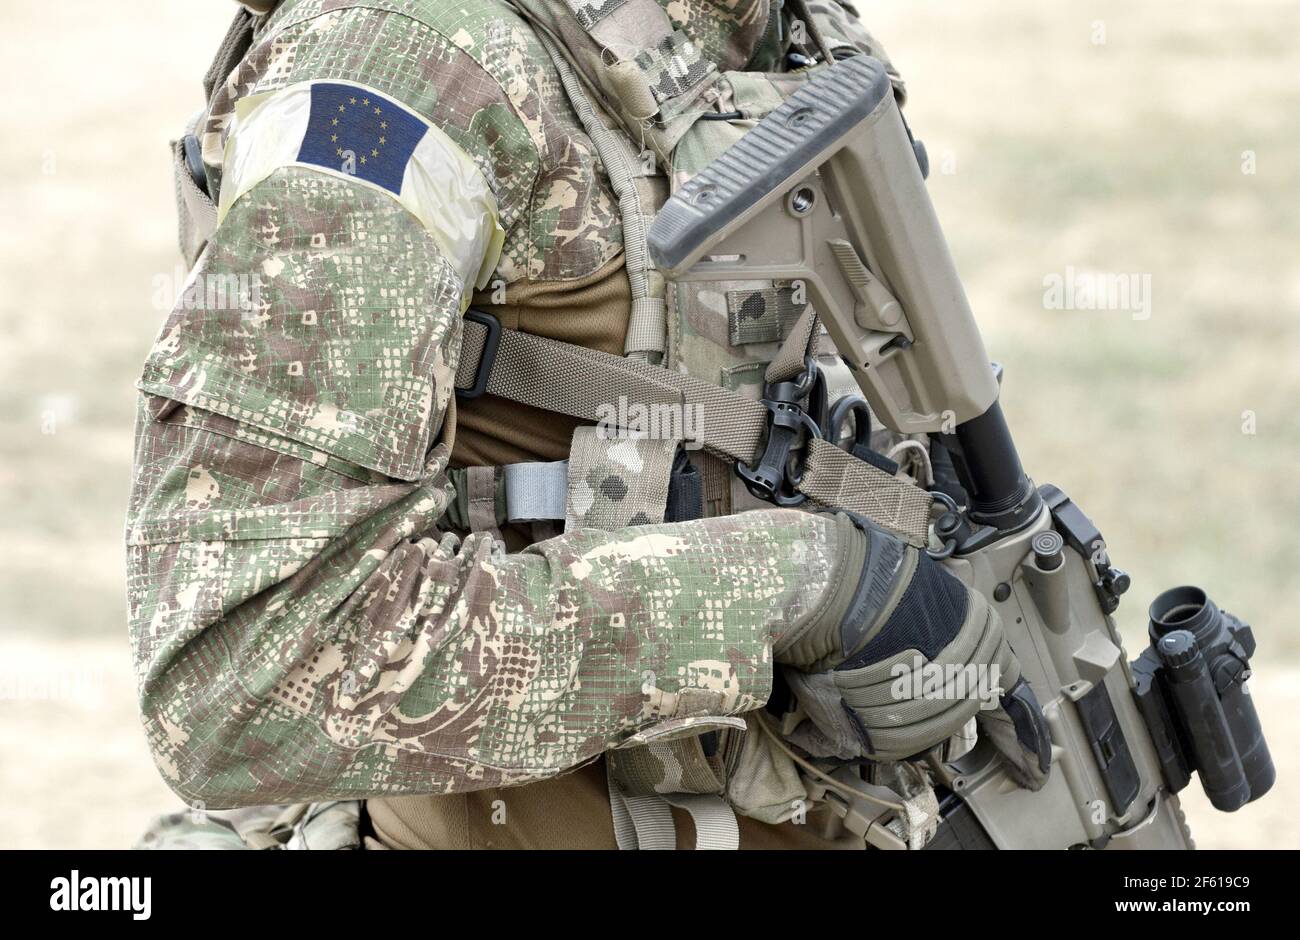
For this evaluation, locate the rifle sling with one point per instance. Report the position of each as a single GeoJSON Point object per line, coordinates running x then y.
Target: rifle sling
{"type": "Point", "coordinates": [582, 383]}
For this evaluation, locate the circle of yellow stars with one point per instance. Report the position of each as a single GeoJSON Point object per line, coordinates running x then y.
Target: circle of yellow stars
{"type": "Point", "coordinates": [383, 126]}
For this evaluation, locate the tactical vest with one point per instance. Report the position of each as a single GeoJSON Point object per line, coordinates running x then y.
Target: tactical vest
{"type": "Point", "coordinates": [649, 446]}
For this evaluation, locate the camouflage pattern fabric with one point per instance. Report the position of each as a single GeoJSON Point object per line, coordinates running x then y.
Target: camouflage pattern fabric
{"type": "Point", "coordinates": [301, 628]}
{"type": "Point", "coordinates": [728, 32]}
{"type": "Point", "coordinates": [681, 766]}
{"type": "Point", "coordinates": [616, 482]}
{"type": "Point", "coordinates": [673, 67]}
{"type": "Point", "coordinates": [476, 71]}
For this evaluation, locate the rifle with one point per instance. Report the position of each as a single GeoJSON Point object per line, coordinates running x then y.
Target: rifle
{"type": "Point", "coordinates": [828, 193]}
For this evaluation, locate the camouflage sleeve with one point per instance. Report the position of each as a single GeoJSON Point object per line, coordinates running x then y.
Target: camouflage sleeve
{"type": "Point", "coordinates": [300, 627]}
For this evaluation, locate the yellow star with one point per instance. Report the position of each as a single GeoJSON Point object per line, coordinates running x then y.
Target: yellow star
{"type": "Point", "coordinates": [334, 138]}
{"type": "Point", "coordinates": [341, 108]}
{"type": "Point", "coordinates": [374, 153]}
{"type": "Point", "coordinates": [363, 158]}
{"type": "Point", "coordinates": [377, 109]}
{"type": "Point", "coordinates": [334, 120]}
{"type": "Point", "coordinates": [382, 141]}
{"type": "Point", "coordinates": [352, 101]}
{"type": "Point", "coordinates": [339, 151]}
{"type": "Point", "coordinates": [383, 125]}
{"type": "Point", "coordinates": [365, 101]}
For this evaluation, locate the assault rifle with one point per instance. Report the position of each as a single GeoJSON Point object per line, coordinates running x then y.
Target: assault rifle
{"type": "Point", "coordinates": [827, 193]}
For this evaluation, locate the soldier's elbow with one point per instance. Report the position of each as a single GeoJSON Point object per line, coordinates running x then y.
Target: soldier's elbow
{"type": "Point", "coordinates": [195, 751]}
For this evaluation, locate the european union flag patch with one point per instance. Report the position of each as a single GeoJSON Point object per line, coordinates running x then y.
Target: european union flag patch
{"type": "Point", "coordinates": [355, 131]}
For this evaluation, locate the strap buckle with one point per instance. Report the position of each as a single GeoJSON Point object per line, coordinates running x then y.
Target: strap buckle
{"type": "Point", "coordinates": [775, 478]}
{"type": "Point", "coordinates": [489, 357]}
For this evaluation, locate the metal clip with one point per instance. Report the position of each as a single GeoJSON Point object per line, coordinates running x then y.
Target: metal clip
{"type": "Point", "coordinates": [788, 425]}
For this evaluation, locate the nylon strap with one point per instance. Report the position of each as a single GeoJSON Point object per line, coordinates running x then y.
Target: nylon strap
{"type": "Point", "coordinates": [582, 383]}
{"type": "Point", "coordinates": [640, 822]}
{"type": "Point", "coordinates": [481, 497]}
{"type": "Point", "coordinates": [799, 344]}
{"type": "Point", "coordinates": [536, 491]}
{"type": "Point", "coordinates": [235, 45]}
{"type": "Point", "coordinates": [642, 818]}
{"type": "Point", "coordinates": [195, 210]}
{"type": "Point", "coordinates": [647, 324]}
{"type": "Point", "coordinates": [716, 827]}
{"type": "Point", "coordinates": [521, 493]}
{"type": "Point", "coordinates": [196, 213]}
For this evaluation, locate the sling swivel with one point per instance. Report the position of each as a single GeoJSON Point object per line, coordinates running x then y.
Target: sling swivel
{"type": "Point", "coordinates": [775, 478]}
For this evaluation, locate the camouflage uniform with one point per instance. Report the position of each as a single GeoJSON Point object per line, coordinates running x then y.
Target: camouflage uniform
{"type": "Point", "coordinates": [302, 627]}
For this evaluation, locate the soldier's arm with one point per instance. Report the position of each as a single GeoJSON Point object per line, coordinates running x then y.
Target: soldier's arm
{"type": "Point", "coordinates": [301, 629]}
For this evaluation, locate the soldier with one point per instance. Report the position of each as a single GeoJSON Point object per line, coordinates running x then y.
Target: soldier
{"type": "Point", "coordinates": [322, 604]}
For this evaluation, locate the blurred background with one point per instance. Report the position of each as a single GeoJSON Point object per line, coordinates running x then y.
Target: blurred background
{"type": "Point", "coordinates": [1067, 140]}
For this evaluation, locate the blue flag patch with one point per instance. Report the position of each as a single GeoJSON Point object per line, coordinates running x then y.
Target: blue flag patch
{"type": "Point", "coordinates": [355, 131]}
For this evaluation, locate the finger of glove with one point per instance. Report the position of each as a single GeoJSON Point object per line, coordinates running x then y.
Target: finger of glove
{"type": "Point", "coordinates": [1018, 731]}
{"type": "Point", "coordinates": [916, 727]}
{"type": "Point", "coordinates": [833, 732]}
{"type": "Point", "coordinates": [907, 704]}
{"type": "Point", "coordinates": [977, 662]}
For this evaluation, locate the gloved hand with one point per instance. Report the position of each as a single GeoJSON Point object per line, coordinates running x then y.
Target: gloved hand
{"type": "Point", "coordinates": [901, 656]}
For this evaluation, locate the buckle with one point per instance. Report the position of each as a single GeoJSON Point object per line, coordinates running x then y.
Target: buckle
{"type": "Point", "coordinates": [193, 152]}
{"type": "Point", "coordinates": [489, 357]}
{"type": "Point", "coordinates": [774, 478]}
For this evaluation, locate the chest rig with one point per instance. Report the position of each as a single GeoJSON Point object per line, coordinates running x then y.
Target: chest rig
{"type": "Point", "coordinates": [726, 398]}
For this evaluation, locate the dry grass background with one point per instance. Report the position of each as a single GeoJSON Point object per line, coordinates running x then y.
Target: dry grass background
{"type": "Point", "coordinates": [1120, 157]}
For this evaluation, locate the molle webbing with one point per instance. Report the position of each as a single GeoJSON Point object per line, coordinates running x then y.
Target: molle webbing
{"type": "Point", "coordinates": [629, 177]}
{"type": "Point", "coordinates": [649, 76]}
{"type": "Point", "coordinates": [583, 383]}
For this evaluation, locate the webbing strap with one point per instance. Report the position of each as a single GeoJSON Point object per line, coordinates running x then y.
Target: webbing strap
{"type": "Point", "coordinates": [585, 383]}
{"type": "Point", "coordinates": [196, 213]}
{"type": "Point", "coordinates": [521, 493]}
{"type": "Point", "coordinates": [641, 822]}
{"type": "Point", "coordinates": [715, 822]}
{"type": "Point", "coordinates": [647, 323]}
{"type": "Point", "coordinates": [834, 477]}
{"type": "Point", "coordinates": [536, 491]}
{"type": "Point", "coordinates": [235, 45]}
{"type": "Point", "coordinates": [646, 822]}
{"type": "Point", "coordinates": [799, 344]}
{"type": "Point", "coordinates": [481, 499]}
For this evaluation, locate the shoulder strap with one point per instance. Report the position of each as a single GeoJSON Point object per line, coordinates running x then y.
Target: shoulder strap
{"type": "Point", "coordinates": [239, 37]}
{"type": "Point", "coordinates": [196, 209]}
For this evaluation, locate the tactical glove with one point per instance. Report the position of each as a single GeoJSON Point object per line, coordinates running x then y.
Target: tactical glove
{"type": "Point", "coordinates": [913, 656]}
